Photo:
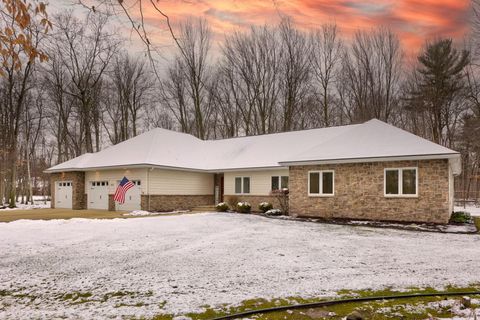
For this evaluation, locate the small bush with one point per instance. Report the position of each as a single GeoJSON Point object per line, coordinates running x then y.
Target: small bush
{"type": "Point", "coordinates": [232, 201]}
{"type": "Point", "coordinates": [274, 212]}
{"type": "Point", "coordinates": [244, 207]}
{"type": "Point", "coordinates": [221, 207]}
{"type": "Point", "coordinates": [461, 217]}
{"type": "Point", "coordinates": [282, 197]}
{"type": "Point", "coordinates": [265, 206]}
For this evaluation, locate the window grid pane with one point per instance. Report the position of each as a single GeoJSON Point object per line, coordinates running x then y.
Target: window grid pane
{"type": "Point", "coordinates": [327, 182]}
{"type": "Point", "coordinates": [314, 183]}
{"type": "Point", "coordinates": [275, 183]}
{"type": "Point", "coordinates": [409, 184]}
{"type": "Point", "coordinates": [391, 182]}
{"type": "Point", "coordinates": [284, 182]}
{"type": "Point", "coordinates": [246, 185]}
{"type": "Point", "coordinates": [238, 185]}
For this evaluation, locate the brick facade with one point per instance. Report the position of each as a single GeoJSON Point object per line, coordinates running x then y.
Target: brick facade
{"type": "Point", "coordinates": [359, 193]}
{"type": "Point", "coordinates": [175, 202]}
{"type": "Point", "coordinates": [79, 198]}
{"type": "Point", "coordinates": [252, 199]}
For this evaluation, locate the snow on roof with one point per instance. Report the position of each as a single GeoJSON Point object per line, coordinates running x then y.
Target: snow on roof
{"type": "Point", "coordinates": [165, 148]}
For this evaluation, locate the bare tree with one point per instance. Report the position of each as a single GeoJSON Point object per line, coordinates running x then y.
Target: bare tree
{"type": "Point", "coordinates": [85, 49]}
{"type": "Point", "coordinates": [22, 28]}
{"type": "Point", "coordinates": [371, 76]}
{"type": "Point", "coordinates": [191, 66]}
{"type": "Point", "coordinates": [295, 73]}
{"type": "Point", "coordinates": [131, 85]}
{"type": "Point", "coordinates": [251, 67]}
{"type": "Point", "coordinates": [327, 51]}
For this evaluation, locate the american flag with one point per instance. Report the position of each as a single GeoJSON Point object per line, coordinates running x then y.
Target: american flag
{"type": "Point", "coordinates": [122, 188]}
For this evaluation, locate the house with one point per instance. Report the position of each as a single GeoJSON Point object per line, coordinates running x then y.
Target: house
{"type": "Point", "coordinates": [364, 171]}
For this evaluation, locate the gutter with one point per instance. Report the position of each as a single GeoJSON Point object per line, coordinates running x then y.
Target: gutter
{"type": "Point", "coordinates": [371, 159]}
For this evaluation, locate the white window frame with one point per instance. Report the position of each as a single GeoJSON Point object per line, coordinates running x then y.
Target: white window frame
{"type": "Point", "coordinates": [242, 186]}
{"type": "Point", "coordinates": [98, 183]}
{"type": "Point", "coordinates": [320, 182]}
{"type": "Point", "coordinates": [400, 183]}
{"type": "Point", "coordinates": [279, 182]}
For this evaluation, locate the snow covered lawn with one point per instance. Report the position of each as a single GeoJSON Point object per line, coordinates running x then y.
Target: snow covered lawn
{"type": "Point", "coordinates": [88, 269]}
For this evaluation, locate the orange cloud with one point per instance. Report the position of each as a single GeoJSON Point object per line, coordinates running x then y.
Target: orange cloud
{"type": "Point", "coordinates": [414, 20]}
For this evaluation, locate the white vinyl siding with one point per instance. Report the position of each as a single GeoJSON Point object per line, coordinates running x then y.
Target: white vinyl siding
{"type": "Point", "coordinates": [114, 176]}
{"type": "Point", "coordinates": [260, 181]}
{"type": "Point", "coordinates": [176, 182]}
{"type": "Point", "coordinates": [157, 181]}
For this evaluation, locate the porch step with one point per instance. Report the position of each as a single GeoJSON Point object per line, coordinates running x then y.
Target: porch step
{"type": "Point", "coordinates": [204, 208]}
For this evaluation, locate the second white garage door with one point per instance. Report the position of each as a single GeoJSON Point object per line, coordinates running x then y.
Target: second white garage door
{"type": "Point", "coordinates": [98, 195]}
{"type": "Point", "coordinates": [132, 198]}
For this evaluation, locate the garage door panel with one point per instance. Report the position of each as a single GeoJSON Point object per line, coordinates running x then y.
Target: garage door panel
{"type": "Point", "coordinates": [63, 194]}
{"type": "Point", "coordinates": [98, 195]}
{"type": "Point", "coordinates": [132, 199]}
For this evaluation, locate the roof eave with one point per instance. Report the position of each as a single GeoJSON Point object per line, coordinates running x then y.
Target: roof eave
{"type": "Point", "coordinates": [371, 159]}
{"type": "Point", "coordinates": [126, 166]}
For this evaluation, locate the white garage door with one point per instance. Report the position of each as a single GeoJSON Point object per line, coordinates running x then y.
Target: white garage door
{"type": "Point", "coordinates": [63, 194]}
{"type": "Point", "coordinates": [132, 198]}
{"type": "Point", "coordinates": [98, 195]}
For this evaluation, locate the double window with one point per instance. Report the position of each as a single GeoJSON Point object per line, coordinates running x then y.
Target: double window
{"type": "Point", "coordinates": [279, 182]}
{"type": "Point", "coordinates": [401, 182]}
{"type": "Point", "coordinates": [242, 185]}
{"type": "Point", "coordinates": [321, 183]}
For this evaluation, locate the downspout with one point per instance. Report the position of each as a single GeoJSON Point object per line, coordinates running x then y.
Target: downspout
{"type": "Point", "coordinates": [148, 188]}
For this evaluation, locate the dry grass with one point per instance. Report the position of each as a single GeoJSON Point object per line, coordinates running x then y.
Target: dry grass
{"type": "Point", "coordinates": [49, 214]}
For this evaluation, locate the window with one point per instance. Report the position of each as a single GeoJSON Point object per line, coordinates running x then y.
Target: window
{"type": "Point", "coordinates": [242, 185]}
{"type": "Point", "coordinates": [321, 183]}
{"type": "Point", "coordinates": [279, 182]}
{"type": "Point", "coordinates": [401, 182]}
{"type": "Point", "coordinates": [99, 183]}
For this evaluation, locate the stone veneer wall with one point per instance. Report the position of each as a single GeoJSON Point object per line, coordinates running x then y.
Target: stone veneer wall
{"type": "Point", "coordinates": [359, 193]}
{"type": "Point", "coordinates": [175, 202]}
{"type": "Point", "coordinates": [252, 199]}
{"type": "Point", "coordinates": [79, 198]}
{"type": "Point", "coordinates": [111, 203]}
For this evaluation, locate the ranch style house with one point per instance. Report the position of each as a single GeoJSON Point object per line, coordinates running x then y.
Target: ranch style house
{"type": "Point", "coordinates": [371, 171]}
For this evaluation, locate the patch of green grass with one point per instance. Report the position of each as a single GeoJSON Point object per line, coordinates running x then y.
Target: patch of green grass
{"type": "Point", "coordinates": [404, 308]}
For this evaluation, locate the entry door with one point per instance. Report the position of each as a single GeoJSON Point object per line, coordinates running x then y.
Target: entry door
{"type": "Point", "coordinates": [63, 194]}
{"type": "Point", "coordinates": [132, 198]}
{"type": "Point", "coordinates": [98, 195]}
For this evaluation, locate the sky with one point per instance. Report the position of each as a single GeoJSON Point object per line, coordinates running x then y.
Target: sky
{"type": "Point", "coordinates": [415, 21]}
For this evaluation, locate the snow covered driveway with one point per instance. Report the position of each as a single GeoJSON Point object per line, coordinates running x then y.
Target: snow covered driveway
{"type": "Point", "coordinates": [110, 268]}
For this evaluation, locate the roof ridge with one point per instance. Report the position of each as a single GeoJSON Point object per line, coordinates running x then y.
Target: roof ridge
{"type": "Point", "coordinates": [284, 132]}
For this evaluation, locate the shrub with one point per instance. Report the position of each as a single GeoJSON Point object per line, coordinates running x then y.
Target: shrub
{"type": "Point", "coordinates": [232, 201]}
{"type": "Point", "coordinates": [282, 197]}
{"type": "Point", "coordinates": [461, 217]}
{"type": "Point", "coordinates": [244, 207]}
{"type": "Point", "coordinates": [221, 207]}
{"type": "Point", "coordinates": [265, 206]}
{"type": "Point", "coordinates": [274, 212]}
